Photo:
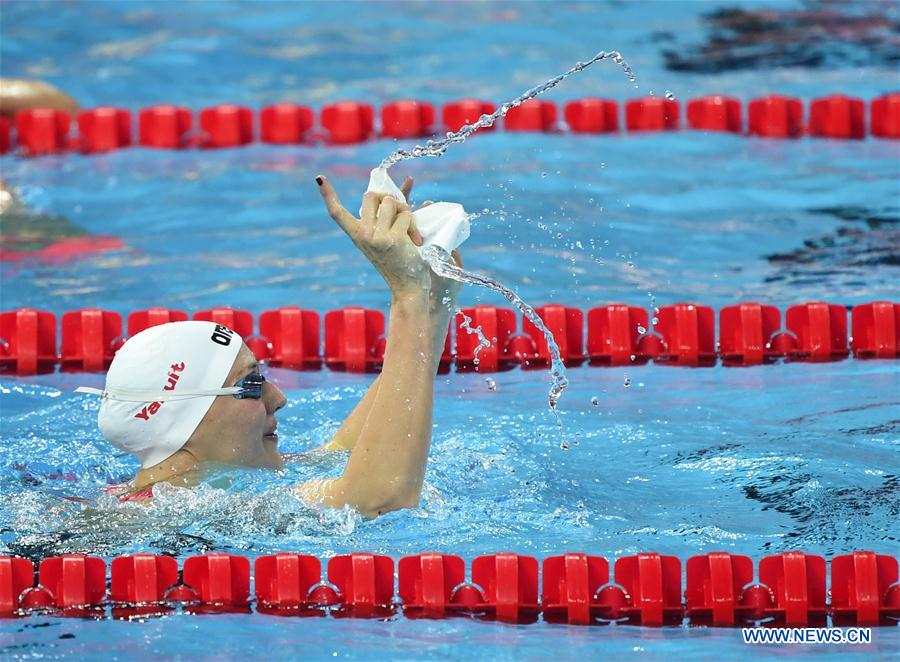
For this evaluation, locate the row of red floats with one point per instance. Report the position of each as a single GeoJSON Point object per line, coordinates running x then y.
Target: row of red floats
{"type": "Point", "coordinates": [617, 335]}
{"type": "Point", "coordinates": [576, 588]}
{"type": "Point", "coordinates": [43, 131]}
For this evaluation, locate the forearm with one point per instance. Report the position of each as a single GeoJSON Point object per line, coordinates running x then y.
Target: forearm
{"type": "Point", "coordinates": [387, 464]}
{"type": "Point", "coordinates": [346, 436]}
{"type": "Point", "coordinates": [440, 328]}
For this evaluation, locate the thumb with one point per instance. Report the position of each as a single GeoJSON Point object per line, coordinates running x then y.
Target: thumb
{"type": "Point", "coordinates": [406, 188]}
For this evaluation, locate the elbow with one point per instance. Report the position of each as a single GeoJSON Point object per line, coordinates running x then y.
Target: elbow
{"type": "Point", "coordinates": [386, 503]}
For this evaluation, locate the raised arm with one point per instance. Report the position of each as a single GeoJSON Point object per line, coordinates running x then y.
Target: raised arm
{"type": "Point", "coordinates": [442, 302]}
{"type": "Point", "coordinates": [387, 464]}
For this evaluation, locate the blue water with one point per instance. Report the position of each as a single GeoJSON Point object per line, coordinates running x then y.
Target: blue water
{"type": "Point", "coordinates": [754, 461]}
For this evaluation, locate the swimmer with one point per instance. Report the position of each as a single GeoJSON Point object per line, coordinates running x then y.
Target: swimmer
{"type": "Point", "coordinates": [187, 396]}
{"type": "Point", "coordinates": [23, 231]}
{"type": "Point", "coordinates": [23, 94]}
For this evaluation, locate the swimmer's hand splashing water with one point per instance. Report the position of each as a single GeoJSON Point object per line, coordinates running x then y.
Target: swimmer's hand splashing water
{"type": "Point", "coordinates": [389, 432]}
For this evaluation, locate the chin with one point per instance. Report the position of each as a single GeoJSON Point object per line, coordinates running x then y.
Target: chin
{"type": "Point", "coordinates": [273, 459]}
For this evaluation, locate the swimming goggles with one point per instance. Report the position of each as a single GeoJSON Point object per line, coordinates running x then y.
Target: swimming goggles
{"type": "Point", "coordinates": [249, 387]}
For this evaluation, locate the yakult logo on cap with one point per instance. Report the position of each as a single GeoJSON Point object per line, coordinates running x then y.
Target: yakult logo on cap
{"type": "Point", "coordinates": [153, 407]}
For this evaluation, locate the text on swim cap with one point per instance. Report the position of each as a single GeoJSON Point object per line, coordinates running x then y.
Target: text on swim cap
{"type": "Point", "coordinates": [172, 379]}
{"type": "Point", "coordinates": [222, 335]}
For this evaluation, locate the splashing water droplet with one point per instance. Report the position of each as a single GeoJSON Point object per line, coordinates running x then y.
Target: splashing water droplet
{"type": "Point", "coordinates": [595, 401]}
{"type": "Point", "coordinates": [439, 147]}
{"type": "Point", "coordinates": [491, 384]}
{"type": "Point", "coordinates": [641, 329]}
{"type": "Point", "coordinates": [627, 381]}
{"type": "Point", "coordinates": [439, 261]}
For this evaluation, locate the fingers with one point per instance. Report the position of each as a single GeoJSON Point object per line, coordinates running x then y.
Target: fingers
{"type": "Point", "coordinates": [406, 187]}
{"type": "Point", "coordinates": [369, 206]}
{"type": "Point", "coordinates": [386, 215]}
{"type": "Point", "coordinates": [413, 232]}
{"type": "Point", "coordinates": [457, 258]}
{"type": "Point", "coordinates": [336, 210]}
{"type": "Point", "coordinates": [406, 225]}
{"type": "Point", "coordinates": [403, 223]}
{"type": "Point", "coordinates": [368, 212]}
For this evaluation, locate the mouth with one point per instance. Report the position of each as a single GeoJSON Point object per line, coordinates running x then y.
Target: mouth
{"type": "Point", "coordinates": [271, 435]}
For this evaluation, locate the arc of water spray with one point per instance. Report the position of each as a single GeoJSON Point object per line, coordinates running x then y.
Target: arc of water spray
{"type": "Point", "coordinates": [440, 260]}
{"type": "Point", "coordinates": [438, 147]}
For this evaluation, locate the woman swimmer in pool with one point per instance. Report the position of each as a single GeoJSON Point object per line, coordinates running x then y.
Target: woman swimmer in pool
{"type": "Point", "coordinates": [152, 404]}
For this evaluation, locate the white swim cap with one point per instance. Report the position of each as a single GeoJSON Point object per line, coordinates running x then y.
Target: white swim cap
{"type": "Point", "coordinates": [161, 384]}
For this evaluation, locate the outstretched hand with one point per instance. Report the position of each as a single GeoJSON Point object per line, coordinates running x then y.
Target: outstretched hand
{"type": "Point", "coordinates": [385, 233]}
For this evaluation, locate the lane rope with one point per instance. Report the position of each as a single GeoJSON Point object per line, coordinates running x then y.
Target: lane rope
{"type": "Point", "coordinates": [45, 131]}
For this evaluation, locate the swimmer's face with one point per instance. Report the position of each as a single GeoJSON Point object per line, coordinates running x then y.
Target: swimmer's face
{"type": "Point", "coordinates": [241, 431]}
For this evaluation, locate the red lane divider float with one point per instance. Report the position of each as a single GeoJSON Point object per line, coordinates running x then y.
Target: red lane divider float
{"type": "Point", "coordinates": [592, 116]}
{"type": "Point", "coordinates": [44, 131]}
{"type": "Point", "coordinates": [348, 122]}
{"type": "Point", "coordinates": [838, 116]}
{"type": "Point", "coordinates": [5, 135]}
{"type": "Point", "coordinates": [407, 119]}
{"type": "Point", "coordinates": [532, 115]}
{"type": "Point", "coordinates": [715, 113]}
{"type": "Point", "coordinates": [617, 335]}
{"type": "Point", "coordinates": [104, 129]}
{"type": "Point", "coordinates": [164, 127]}
{"type": "Point", "coordinates": [651, 114]}
{"type": "Point", "coordinates": [776, 116]}
{"type": "Point", "coordinates": [578, 589]}
{"type": "Point", "coordinates": [459, 113]}
{"type": "Point", "coordinates": [285, 123]}
{"type": "Point", "coordinates": [354, 339]}
{"type": "Point", "coordinates": [226, 126]}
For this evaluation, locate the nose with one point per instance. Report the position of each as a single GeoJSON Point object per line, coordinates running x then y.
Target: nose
{"type": "Point", "coordinates": [273, 397]}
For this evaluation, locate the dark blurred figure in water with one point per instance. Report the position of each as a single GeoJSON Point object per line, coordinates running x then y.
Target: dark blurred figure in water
{"type": "Point", "coordinates": [22, 230]}
{"type": "Point", "coordinates": [821, 34]}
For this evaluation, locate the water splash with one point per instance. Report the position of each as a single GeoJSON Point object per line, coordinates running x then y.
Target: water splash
{"type": "Point", "coordinates": [466, 324]}
{"type": "Point", "coordinates": [441, 263]}
{"type": "Point", "coordinates": [438, 147]}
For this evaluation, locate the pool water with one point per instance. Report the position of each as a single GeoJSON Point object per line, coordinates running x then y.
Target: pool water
{"type": "Point", "coordinates": [753, 461]}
